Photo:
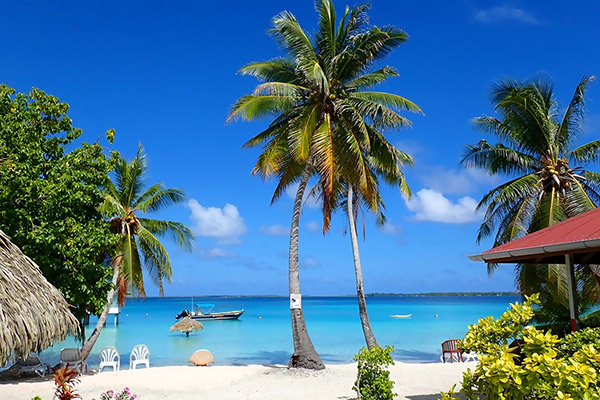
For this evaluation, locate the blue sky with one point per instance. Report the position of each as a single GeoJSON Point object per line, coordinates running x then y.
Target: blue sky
{"type": "Point", "coordinates": [164, 74]}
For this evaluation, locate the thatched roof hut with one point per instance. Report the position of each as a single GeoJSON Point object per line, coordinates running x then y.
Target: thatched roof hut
{"type": "Point", "coordinates": [33, 313]}
{"type": "Point", "coordinates": [187, 325]}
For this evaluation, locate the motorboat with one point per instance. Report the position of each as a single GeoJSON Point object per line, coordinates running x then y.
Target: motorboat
{"type": "Point", "coordinates": [200, 315]}
{"type": "Point", "coordinates": [401, 316]}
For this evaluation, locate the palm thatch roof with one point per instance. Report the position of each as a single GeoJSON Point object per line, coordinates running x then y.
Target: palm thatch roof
{"type": "Point", "coordinates": [187, 325]}
{"type": "Point", "coordinates": [33, 313]}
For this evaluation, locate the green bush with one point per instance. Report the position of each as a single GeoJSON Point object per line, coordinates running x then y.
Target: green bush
{"type": "Point", "coordinates": [573, 342]}
{"type": "Point", "coordinates": [535, 368]}
{"type": "Point", "coordinates": [373, 380]}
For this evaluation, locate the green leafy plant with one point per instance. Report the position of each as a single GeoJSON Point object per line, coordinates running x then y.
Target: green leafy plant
{"type": "Point", "coordinates": [519, 361]}
{"type": "Point", "coordinates": [65, 380]}
{"type": "Point", "coordinates": [373, 380]}
{"type": "Point", "coordinates": [571, 343]}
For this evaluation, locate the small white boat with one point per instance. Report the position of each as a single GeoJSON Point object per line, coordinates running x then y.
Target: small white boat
{"type": "Point", "coordinates": [401, 316]}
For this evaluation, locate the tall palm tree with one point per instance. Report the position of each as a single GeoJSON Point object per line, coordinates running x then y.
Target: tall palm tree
{"type": "Point", "coordinates": [139, 249]}
{"type": "Point", "coordinates": [319, 98]}
{"type": "Point", "coordinates": [548, 180]}
{"type": "Point", "coordinates": [385, 161]}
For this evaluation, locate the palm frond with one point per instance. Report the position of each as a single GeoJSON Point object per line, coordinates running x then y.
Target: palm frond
{"type": "Point", "coordinates": [572, 122]}
{"type": "Point", "coordinates": [158, 197]}
{"type": "Point", "coordinates": [276, 70]}
{"type": "Point", "coordinates": [177, 231]}
{"type": "Point", "coordinates": [156, 259]}
{"type": "Point", "coordinates": [367, 81]}
{"type": "Point", "coordinates": [290, 35]}
{"type": "Point", "coordinates": [497, 159]}
{"type": "Point", "coordinates": [586, 153]}
{"type": "Point", "coordinates": [251, 107]}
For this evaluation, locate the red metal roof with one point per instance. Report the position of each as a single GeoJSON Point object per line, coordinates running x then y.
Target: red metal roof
{"type": "Point", "coordinates": [579, 235]}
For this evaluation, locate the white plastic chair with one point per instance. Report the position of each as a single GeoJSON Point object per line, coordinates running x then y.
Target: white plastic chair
{"type": "Point", "coordinates": [109, 357]}
{"type": "Point", "coordinates": [139, 355]}
{"type": "Point", "coordinates": [472, 356]}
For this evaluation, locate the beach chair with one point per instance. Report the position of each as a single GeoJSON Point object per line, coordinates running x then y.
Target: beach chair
{"type": "Point", "coordinates": [72, 356]}
{"type": "Point", "coordinates": [139, 355]}
{"type": "Point", "coordinates": [451, 351]}
{"type": "Point", "coordinates": [202, 357]}
{"type": "Point", "coordinates": [32, 364]}
{"type": "Point", "coordinates": [472, 356]}
{"type": "Point", "coordinates": [109, 357]}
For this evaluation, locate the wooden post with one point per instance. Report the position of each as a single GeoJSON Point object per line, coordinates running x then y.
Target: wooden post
{"type": "Point", "coordinates": [572, 287]}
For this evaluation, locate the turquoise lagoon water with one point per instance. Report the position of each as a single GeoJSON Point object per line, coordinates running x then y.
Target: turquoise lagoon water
{"type": "Point", "coordinates": [263, 334]}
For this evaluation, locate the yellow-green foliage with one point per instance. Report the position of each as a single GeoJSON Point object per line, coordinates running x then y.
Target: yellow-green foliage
{"type": "Point", "coordinates": [373, 381]}
{"type": "Point", "coordinates": [538, 372]}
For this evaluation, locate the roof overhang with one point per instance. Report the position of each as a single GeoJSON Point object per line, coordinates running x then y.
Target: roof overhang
{"type": "Point", "coordinates": [584, 252]}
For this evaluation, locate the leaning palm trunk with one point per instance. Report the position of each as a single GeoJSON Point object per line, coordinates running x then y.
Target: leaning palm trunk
{"type": "Point", "coordinates": [304, 355]}
{"type": "Point", "coordinates": [89, 345]}
{"type": "Point", "coordinates": [360, 293]}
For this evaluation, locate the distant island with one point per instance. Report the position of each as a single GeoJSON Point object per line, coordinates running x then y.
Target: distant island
{"type": "Point", "coordinates": [433, 294]}
{"type": "Point", "coordinates": [444, 294]}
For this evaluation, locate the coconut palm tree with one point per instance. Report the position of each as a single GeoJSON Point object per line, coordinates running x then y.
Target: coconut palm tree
{"type": "Point", "coordinates": [139, 249]}
{"type": "Point", "coordinates": [319, 98]}
{"type": "Point", "coordinates": [548, 180]}
{"type": "Point", "coordinates": [385, 161]}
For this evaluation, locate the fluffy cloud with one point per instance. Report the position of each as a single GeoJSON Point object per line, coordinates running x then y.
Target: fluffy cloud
{"type": "Point", "coordinates": [505, 13]}
{"type": "Point", "coordinates": [390, 229]}
{"type": "Point", "coordinates": [430, 205]}
{"type": "Point", "coordinates": [224, 224]}
{"type": "Point", "coordinates": [275, 230]}
{"type": "Point", "coordinates": [456, 182]}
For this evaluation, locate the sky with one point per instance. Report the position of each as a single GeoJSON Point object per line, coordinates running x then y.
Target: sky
{"type": "Point", "coordinates": [164, 74]}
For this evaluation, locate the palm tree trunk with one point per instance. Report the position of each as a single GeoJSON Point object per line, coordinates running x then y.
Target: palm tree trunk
{"type": "Point", "coordinates": [87, 347]}
{"type": "Point", "coordinates": [360, 293]}
{"type": "Point", "coordinates": [304, 355]}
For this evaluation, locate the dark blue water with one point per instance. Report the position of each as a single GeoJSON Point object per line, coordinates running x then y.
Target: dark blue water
{"type": "Point", "coordinates": [263, 334]}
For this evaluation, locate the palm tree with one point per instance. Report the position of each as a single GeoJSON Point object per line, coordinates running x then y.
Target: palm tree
{"type": "Point", "coordinates": [125, 200]}
{"type": "Point", "coordinates": [322, 109]}
{"type": "Point", "coordinates": [385, 161]}
{"type": "Point", "coordinates": [549, 182]}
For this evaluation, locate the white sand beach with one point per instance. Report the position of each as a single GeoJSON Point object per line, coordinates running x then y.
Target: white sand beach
{"type": "Point", "coordinates": [412, 381]}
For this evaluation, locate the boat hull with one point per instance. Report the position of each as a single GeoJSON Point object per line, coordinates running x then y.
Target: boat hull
{"type": "Point", "coordinates": [401, 316]}
{"type": "Point", "coordinates": [218, 315]}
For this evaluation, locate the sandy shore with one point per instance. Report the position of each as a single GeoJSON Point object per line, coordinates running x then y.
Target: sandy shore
{"type": "Point", "coordinates": [413, 381]}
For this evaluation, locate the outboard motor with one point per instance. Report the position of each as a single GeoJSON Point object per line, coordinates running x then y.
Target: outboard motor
{"type": "Point", "coordinates": [183, 314]}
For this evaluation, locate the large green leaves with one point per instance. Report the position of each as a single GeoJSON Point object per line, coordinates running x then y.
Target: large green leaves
{"type": "Point", "coordinates": [123, 202]}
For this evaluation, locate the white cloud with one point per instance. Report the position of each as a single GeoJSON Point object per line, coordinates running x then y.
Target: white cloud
{"type": "Point", "coordinates": [430, 205]}
{"type": "Point", "coordinates": [309, 201]}
{"type": "Point", "coordinates": [214, 252]}
{"type": "Point", "coordinates": [313, 227]}
{"type": "Point", "coordinates": [225, 223]}
{"type": "Point", "coordinates": [310, 262]}
{"type": "Point", "coordinates": [275, 230]}
{"type": "Point", "coordinates": [390, 229]}
{"type": "Point", "coordinates": [456, 182]}
{"type": "Point", "coordinates": [505, 13]}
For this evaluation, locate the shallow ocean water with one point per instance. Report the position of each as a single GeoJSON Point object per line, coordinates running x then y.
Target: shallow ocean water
{"type": "Point", "coordinates": [263, 334]}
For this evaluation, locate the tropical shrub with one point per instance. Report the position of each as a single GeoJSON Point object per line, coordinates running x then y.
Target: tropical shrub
{"type": "Point", "coordinates": [519, 361]}
{"type": "Point", "coordinates": [373, 380]}
{"type": "Point", "coordinates": [571, 343]}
